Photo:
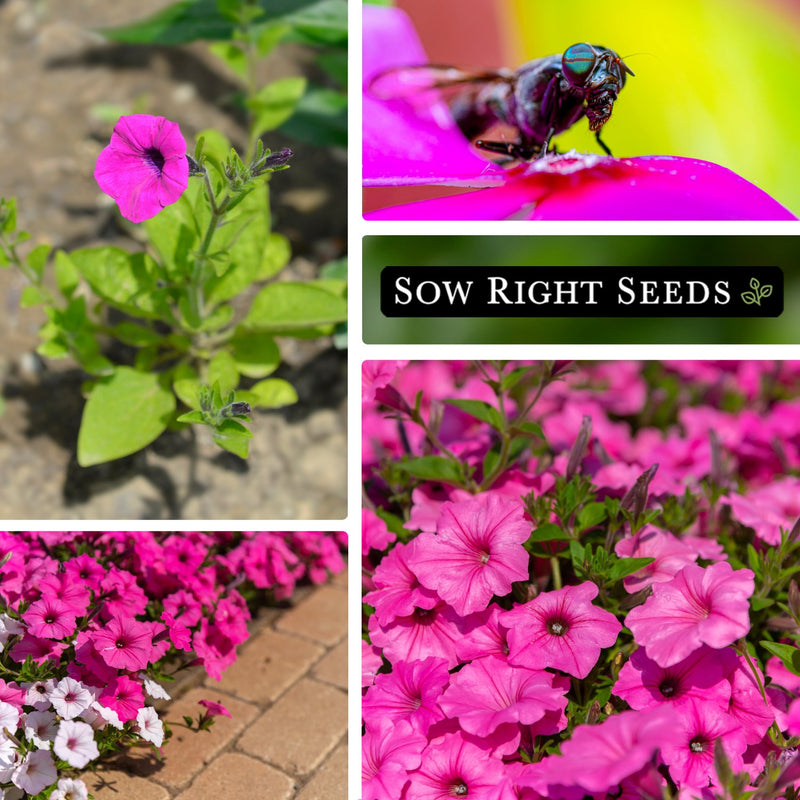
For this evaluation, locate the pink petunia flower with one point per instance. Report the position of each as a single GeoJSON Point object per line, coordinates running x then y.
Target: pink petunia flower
{"type": "Point", "coordinates": [75, 743]}
{"type": "Point", "coordinates": [560, 629]}
{"type": "Point", "coordinates": [793, 719]}
{"type": "Point", "coordinates": [144, 168]}
{"type": "Point", "coordinates": [599, 757]}
{"type": "Point", "coordinates": [124, 643]}
{"type": "Point", "coordinates": [476, 553]}
{"type": "Point", "coordinates": [388, 752]}
{"type": "Point", "coordinates": [669, 555]}
{"type": "Point", "coordinates": [702, 675]}
{"type": "Point", "coordinates": [408, 143]}
{"type": "Point", "coordinates": [398, 591]}
{"type": "Point", "coordinates": [747, 706]}
{"type": "Point", "coordinates": [410, 692]}
{"type": "Point", "coordinates": [691, 758]}
{"type": "Point", "coordinates": [376, 375]}
{"type": "Point", "coordinates": [425, 632]}
{"type": "Point", "coordinates": [700, 605]}
{"type": "Point", "coordinates": [214, 709]}
{"type": "Point", "coordinates": [123, 695]}
{"type": "Point", "coordinates": [50, 618]}
{"type": "Point", "coordinates": [490, 692]}
{"type": "Point", "coordinates": [453, 767]}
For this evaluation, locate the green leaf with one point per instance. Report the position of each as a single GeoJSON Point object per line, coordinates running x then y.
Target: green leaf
{"type": "Point", "coordinates": [549, 532]}
{"type": "Point", "coordinates": [320, 118]}
{"type": "Point", "coordinates": [480, 410]}
{"type": "Point", "coordinates": [275, 103]}
{"type": "Point", "coordinates": [433, 468]}
{"type": "Point", "coordinates": [256, 354]}
{"type": "Point", "coordinates": [590, 515]}
{"type": "Point", "coordinates": [67, 275]}
{"type": "Point", "coordinates": [222, 369]}
{"type": "Point", "coordinates": [123, 414]}
{"type": "Point", "coordinates": [192, 417]}
{"type": "Point", "coordinates": [760, 603]}
{"type": "Point", "coordinates": [234, 437]}
{"type": "Point", "coordinates": [627, 566]}
{"type": "Point", "coordinates": [271, 393]}
{"type": "Point", "coordinates": [287, 306]}
{"type": "Point", "coordinates": [180, 23]}
{"type": "Point", "coordinates": [232, 55]}
{"type": "Point", "coordinates": [322, 22]}
{"type": "Point", "coordinates": [788, 654]}
{"type": "Point", "coordinates": [532, 429]}
{"type": "Point", "coordinates": [37, 259]}
{"type": "Point", "coordinates": [31, 296]}
{"type": "Point", "coordinates": [135, 335]}
{"type": "Point", "coordinates": [132, 282]}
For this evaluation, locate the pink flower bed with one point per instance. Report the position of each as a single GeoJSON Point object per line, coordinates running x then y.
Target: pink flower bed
{"type": "Point", "coordinates": [93, 624]}
{"type": "Point", "coordinates": [581, 580]}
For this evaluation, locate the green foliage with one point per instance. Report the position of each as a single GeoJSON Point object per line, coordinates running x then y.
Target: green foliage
{"type": "Point", "coordinates": [176, 301]}
{"type": "Point", "coordinates": [243, 32]}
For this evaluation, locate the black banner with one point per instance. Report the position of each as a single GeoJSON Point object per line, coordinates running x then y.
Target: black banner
{"type": "Point", "coordinates": [581, 291]}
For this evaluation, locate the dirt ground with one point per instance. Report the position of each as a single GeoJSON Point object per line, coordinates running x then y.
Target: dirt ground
{"type": "Point", "coordinates": [54, 70]}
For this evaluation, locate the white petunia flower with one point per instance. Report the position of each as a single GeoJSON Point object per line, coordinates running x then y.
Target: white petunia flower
{"type": "Point", "coordinates": [38, 694]}
{"type": "Point", "coordinates": [70, 789]}
{"type": "Point", "coordinates": [40, 728]}
{"type": "Point", "coordinates": [75, 743]}
{"type": "Point", "coordinates": [150, 726]}
{"type": "Point", "coordinates": [153, 689]}
{"type": "Point", "coordinates": [35, 772]}
{"type": "Point", "coordinates": [70, 698]}
{"type": "Point", "coordinates": [9, 716]}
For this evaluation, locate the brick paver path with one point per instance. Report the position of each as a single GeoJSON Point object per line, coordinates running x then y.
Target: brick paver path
{"type": "Point", "coordinates": [287, 739]}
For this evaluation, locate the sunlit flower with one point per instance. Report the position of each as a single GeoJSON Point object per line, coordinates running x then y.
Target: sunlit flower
{"type": "Point", "coordinates": [144, 168]}
{"type": "Point", "coordinates": [35, 772]}
{"type": "Point", "coordinates": [70, 698]}
{"type": "Point", "coordinates": [560, 629]}
{"type": "Point", "coordinates": [700, 605]}
{"type": "Point", "coordinates": [691, 758]}
{"type": "Point", "coordinates": [388, 751]}
{"type": "Point", "coordinates": [150, 726]}
{"type": "Point", "coordinates": [476, 553]}
{"type": "Point", "coordinates": [75, 744]}
{"type": "Point", "coordinates": [124, 643]}
{"type": "Point", "coordinates": [70, 789]}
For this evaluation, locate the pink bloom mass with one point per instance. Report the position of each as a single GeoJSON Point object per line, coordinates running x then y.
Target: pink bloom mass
{"type": "Point", "coordinates": [144, 168]}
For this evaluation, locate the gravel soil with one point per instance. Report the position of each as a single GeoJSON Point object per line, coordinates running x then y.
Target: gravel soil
{"type": "Point", "coordinates": [56, 69]}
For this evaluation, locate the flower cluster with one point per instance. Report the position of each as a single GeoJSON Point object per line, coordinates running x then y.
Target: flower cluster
{"type": "Point", "coordinates": [91, 624]}
{"type": "Point", "coordinates": [581, 580]}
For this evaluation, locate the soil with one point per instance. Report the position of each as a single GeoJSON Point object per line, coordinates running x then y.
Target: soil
{"type": "Point", "coordinates": [55, 70]}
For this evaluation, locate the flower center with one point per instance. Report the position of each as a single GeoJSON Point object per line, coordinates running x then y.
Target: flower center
{"type": "Point", "coordinates": [667, 687]}
{"type": "Point", "coordinates": [459, 789]}
{"type": "Point", "coordinates": [697, 745]}
{"type": "Point", "coordinates": [120, 643]}
{"type": "Point", "coordinates": [485, 558]}
{"type": "Point", "coordinates": [155, 157]}
{"type": "Point", "coordinates": [557, 627]}
{"type": "Point", "coordinates": [50, 619]}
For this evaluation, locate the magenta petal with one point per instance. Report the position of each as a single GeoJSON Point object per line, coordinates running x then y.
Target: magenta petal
{"type": "Point", "coordinates": [144, 167]}
{"type": "Point", "coordinates": [406, 144]}
{"type": "Point", "coordinates": [576, 187]}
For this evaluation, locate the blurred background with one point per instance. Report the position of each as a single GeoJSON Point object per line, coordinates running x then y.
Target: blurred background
{"type": "Point", "coordinates": [737, 252]}
{"type": "Point", "coordinates": [715, 79]}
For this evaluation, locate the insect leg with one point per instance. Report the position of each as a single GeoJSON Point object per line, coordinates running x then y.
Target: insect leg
{"type": "Point", "coordinates": [546, 143]}
{"type": "Point", "coordinates": [513, 149]}
{"type": "Point", "coordinates": [602, 143]}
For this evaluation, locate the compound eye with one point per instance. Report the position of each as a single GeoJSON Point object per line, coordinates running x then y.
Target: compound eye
{"type": "Point", "coordinates": [578, 63]}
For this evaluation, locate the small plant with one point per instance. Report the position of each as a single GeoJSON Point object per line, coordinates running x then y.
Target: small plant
{"type": "Point", "coordinates": [207, 223]}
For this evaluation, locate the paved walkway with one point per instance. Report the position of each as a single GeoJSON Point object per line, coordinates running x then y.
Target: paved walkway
{"type": "Point", "coordinates": [287, 739]}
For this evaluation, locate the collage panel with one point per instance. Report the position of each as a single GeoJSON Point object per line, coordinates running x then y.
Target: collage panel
{"type": "Point", "coordinates": [590, 289]}
{"type": "Point", "coordinates": [580, 578]}
{"type": "Point", "coordinates": [174, 248]}
{"type": "Point", "coordinates": [155, 665]}
{"type": "Point", "coordinates": [534, 111]}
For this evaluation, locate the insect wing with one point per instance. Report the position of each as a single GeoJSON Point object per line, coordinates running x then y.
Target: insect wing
{"type": "Point", "coordinates": [429, 80]}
